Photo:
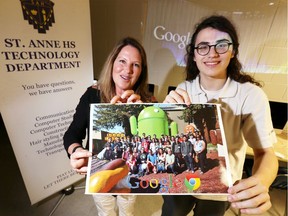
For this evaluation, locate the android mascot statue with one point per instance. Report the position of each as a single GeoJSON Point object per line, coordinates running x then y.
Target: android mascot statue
{"type": "Point", "coordinates": [152, 120]}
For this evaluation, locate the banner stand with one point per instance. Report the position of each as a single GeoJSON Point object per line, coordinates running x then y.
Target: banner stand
{"type": "Point", "coordinates": [65, 192]}
{"type": "Point", "coordinates": [40, 88]}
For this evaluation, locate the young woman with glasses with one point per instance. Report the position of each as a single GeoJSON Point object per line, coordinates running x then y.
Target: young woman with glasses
{"type": "Point", "coordinates": [214, 75]}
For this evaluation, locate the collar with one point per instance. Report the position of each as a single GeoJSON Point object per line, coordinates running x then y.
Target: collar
{"type": "Point", "coordinates": [229, 89]}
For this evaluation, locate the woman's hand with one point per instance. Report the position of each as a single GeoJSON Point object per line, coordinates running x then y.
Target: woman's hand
{"type": "Point", "coordinates": [250, 196]}
{"type": "Point", "coordinates": [127, 96]}
{"type": "Point", "coordinates": [178, 96]}
{"type": "Point", "coordinates": [79, 160]}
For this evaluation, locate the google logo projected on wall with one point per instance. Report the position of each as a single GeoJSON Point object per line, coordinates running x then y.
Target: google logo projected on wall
{"type": "Point", "coordinates": [192, 182]}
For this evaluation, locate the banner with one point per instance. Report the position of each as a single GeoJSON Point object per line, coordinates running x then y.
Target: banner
{"type": "Point", "coordinates": [45, 67]}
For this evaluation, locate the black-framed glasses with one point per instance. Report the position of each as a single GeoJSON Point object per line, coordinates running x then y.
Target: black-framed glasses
{"type": "Point", "coordinates": [220, 48]}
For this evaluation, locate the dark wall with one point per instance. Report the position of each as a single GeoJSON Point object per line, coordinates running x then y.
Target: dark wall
{"type": "Point", "coordinates": [279, 114]}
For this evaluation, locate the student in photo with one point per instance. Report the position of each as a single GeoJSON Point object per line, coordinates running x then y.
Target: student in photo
{"type": "Point", "coordinates": [213, 74]}
{"type": "Point", "coordinates": [170, 163]}
{"type": "Point", "coordinates": [161, 156]}
{"type": "Point", "coordinates": [151, 162]}
{"type": "Point", "coordinates": [123, 80]}
{"type": "Point", "coordinates": [142, 162]}
{"type": "Point", "coordinates": [187, 153]}
{"type": "Point", "coordinates": [200, 149]}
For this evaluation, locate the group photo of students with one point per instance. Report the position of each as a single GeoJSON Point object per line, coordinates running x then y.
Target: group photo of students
{"type": "Point", "coordinates": [151, 154]}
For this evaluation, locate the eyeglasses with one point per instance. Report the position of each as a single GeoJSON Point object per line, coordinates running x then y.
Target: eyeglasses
{"type": "Point", "coordinates": [220, 48]}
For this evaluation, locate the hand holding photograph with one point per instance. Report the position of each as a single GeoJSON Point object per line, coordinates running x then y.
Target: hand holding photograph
{"type": "Point", "coordinates": [157, 149]}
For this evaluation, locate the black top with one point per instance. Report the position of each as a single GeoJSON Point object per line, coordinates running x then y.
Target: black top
{"type": "Point", "coordinates": [76, 132]}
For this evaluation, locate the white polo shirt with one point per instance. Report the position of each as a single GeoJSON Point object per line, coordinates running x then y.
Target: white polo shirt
{"type": "Point", "coordinates": [246, 118]}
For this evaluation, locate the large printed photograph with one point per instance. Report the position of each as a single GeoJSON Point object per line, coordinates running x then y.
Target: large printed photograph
{"type": "Point", "coordinates": [157, 149]}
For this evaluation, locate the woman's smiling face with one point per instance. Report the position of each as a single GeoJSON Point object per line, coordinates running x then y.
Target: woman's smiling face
{"type": "Point", "coordinates": [213, 64]}
{"type": "Point", "coordinates": [127, 69]}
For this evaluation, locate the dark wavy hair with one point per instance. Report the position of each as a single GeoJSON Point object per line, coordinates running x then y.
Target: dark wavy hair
{"type": "Point", "coordinates": [234, 69]}
{"type": "Point", "coordinates": [106, 82]}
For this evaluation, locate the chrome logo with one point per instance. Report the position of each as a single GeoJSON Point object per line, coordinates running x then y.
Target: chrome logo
{"type": "Point", "coordinates": [192, 182]}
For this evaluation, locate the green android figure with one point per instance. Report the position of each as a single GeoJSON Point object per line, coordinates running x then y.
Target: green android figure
{"type": "Point", "coordinates": [152, 120]}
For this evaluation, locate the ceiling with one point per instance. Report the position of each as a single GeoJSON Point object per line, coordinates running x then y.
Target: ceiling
{"type": "Point", "coordinates": [240, 6]}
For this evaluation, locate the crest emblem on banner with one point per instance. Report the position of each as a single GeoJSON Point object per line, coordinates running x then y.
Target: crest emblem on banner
{"type": "Point", "coordinates": [39, 13]}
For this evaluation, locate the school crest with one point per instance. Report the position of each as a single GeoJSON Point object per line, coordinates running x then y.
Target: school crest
{"type": "Point", "coordinates": [39, 13]}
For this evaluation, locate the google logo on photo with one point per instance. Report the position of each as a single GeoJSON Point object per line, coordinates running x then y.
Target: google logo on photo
{"type": "Point", "coordinates": [192, 182]}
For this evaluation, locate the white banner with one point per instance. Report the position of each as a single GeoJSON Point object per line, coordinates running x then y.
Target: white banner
{"type": "Point", "coordinates": [45, 67]}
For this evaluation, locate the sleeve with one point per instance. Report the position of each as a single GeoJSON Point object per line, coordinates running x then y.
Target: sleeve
{"type": "Point", "coordinates": [257, 125]}
{"type": "Point", "coordinates": [78, 127]}
{"type": "Point", "coordinates": [182, 86]}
